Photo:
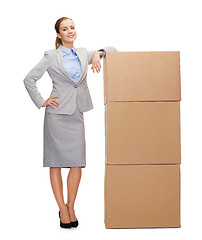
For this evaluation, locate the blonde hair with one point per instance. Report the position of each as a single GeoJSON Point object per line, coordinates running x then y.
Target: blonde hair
{"type": "Point", "coordinates": [57, 27]}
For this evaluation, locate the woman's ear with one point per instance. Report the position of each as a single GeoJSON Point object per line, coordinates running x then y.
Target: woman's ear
{"type": "Point", "coordinates": [58, 35]}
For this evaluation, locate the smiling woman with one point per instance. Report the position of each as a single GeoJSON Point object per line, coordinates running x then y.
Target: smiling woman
{"type": "Point", "coordinates": [64, 131]}
{"type": "Point", "coordinates": [65, 29]}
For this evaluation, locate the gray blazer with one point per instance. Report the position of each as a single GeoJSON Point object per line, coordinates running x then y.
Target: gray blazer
{"type": "Point", "coordinates": [64, 86]}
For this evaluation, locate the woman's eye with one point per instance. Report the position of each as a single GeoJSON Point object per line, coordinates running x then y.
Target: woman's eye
{"type": "Point", "coordinates": [65, 29]}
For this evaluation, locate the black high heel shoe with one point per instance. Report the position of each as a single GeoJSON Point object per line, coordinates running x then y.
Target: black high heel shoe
{"type": "Point", "coordinates": [75, 223]}
{"type": "Point", "coordinates": [64, 225]}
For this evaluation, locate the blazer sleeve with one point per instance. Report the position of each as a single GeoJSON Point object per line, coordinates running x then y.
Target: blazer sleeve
{"type": "Point", "coordinates": [106, 49]}
{"type": "Point", "coordinates": [34, 75]}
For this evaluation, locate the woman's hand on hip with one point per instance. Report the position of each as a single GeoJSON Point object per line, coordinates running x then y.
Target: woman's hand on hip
{"type": "Point", "coordinates": [50, 101]}
{"type": "Point", "coordinates": [96, 62]}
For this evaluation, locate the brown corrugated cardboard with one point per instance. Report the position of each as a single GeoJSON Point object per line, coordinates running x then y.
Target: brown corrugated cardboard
{"type": "Point", "coordinates": [142, 94]}
{"type": "Point", "coordinates": [142, 133]}
{"type": "Point", "coordinates": [142, 196]}
{"type": "Point", "coordinates": [142, 76]}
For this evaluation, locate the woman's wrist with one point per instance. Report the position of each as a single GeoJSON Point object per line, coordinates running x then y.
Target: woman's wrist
{"type": "Point", "coordinates": [100, 53]}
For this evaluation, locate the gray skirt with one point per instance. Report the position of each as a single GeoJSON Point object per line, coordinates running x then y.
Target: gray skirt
{"type": "Point", "coordinates": [64, 140]}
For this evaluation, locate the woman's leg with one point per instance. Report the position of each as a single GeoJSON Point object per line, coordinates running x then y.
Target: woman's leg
{"type": "Point", "coordinates": [73, 180]}
{"type": "Point", "coordinates": [57, 187]}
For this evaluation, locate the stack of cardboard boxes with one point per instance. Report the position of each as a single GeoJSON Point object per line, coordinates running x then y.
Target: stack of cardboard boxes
{"type": "Point", "coordinates": [142, 94]}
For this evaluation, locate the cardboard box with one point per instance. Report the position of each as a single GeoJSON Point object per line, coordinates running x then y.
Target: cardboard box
{"type": "Point", "coordinates": [142, 94]}
{"type": "Point", "coordinates": [142, 76]}
{"type": "Point", "coordinates": [142, 133]}
{"type": "Point", "coordinates": [142, 196]}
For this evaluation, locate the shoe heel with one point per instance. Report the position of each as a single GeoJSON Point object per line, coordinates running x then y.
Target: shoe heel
{"type": "Point", "coordinates": [75, 223]}
{"type": "Point", "coordinates": [64, 225]}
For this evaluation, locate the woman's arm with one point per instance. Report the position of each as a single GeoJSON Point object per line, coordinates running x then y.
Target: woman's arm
{"type": "Point", "coordinates": [100, 51]}
{"type": "Point", "coordinates": [97, 55]}
{"type": "Point", "coordinates": [34, 75]}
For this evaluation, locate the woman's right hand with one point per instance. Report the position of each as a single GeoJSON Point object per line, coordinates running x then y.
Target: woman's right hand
{"type": "Point", "coordinates": [50, 101]}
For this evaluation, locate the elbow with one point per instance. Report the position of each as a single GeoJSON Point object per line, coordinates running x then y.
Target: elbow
{"type": "Point", "coordinates": [25, 81]}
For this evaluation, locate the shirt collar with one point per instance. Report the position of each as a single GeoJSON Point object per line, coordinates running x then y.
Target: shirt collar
{"type": "Point", "coordinates": [67, 50]}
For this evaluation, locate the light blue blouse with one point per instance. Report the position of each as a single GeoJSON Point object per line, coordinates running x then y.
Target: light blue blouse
{"type": "Point", "coordinates": [72, 63]}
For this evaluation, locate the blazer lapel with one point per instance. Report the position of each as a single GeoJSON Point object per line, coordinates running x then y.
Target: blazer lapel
{"type": "Point", "coordinates": [82, 61]}
{"type": "Point", "coordinates": [61, 63]}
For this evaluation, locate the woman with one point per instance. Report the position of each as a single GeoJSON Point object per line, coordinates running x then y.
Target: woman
{"type": "Point", "coordinates": [64, 132]}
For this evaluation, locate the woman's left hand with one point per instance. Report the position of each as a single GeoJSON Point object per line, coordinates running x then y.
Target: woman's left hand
{"type": "Point", "coordinates": [96, 62]}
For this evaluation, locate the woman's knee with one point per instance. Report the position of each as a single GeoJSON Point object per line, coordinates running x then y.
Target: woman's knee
{"type": "Point", "coordinates": [77, 168]}
{"type": "Point", "coordinates": [55, 168]}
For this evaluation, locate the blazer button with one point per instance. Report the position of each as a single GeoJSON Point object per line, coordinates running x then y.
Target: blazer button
{"type": "Point", "coordinates": [75, 86]}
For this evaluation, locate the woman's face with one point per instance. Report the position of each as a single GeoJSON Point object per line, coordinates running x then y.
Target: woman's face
{"type": "Point", "coordinates": [67, 31]}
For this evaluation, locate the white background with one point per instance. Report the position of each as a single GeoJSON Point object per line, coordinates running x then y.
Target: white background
{"type": "Point", "coordinates": [28, 209]}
